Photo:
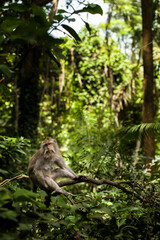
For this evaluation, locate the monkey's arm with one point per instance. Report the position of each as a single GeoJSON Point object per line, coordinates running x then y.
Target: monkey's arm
{"type": "Point", "coordinates": [61, 163]}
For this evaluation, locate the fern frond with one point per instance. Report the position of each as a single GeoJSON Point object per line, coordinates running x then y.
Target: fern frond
{"type": "Point", "coordinates": [143, 128]}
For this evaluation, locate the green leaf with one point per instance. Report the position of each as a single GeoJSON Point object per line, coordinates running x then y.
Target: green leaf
{"type": "Point", "coordinates": [91, 8]}
{"type": "Point", "coordinates": [22, 195]}
{"type": "Point", "coordinates": [88, 27]}
{"type": "Point", "coordinates": [10, 23]}
{"type": "Point", "coordinates": [17, 7]}
{"type": "Point", "coordinates": [4, 195]}
{"type": "Point", "coordinates": [53, 58]}
{"type": "Point", "coordinates": [4, 172]}
{"type": "Point", "coordinates": [5, 70]}
{"type": "Point", "coordinates": [72, 32]}
{"type": "Point", "coordinates": [3, 146]}
{"type": "Point", "coordinates": [21, 151]}
{"type": "Point", "coordinates": [71, 19]}
{"type": "Point", "coordinates": [40, 16]}
{"type": "Point", "coordinates": [25, 226]}
{"type": "Point", "coordinates": [58, 17]}
{"type": "Point", "coordinates": [62, 11]}
{"type": "Point", "coordinates": [8, 214]}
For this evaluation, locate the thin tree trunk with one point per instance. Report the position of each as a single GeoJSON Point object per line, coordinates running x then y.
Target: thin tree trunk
{"type": "Point", "coordinates": [61, 83]}
{"type": "Point", "coordinates": [108, 23]}
{"type": "Point", "coordinates": [53, 9]}
{"type": "Point", "coordinates": [16, 107]}
{"type": "Point", "coordinates": [29, 93]}
{"type": "Point", "coordinates": [148, 98]}
{"type": "Point", "coordinates": [138, 145]}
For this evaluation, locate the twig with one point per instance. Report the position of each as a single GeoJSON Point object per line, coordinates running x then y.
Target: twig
{"type": "Point", "coordinates": [14, 178]}
{"type": "Point", "coordinates": [1, 80]}
{"type": "Point", "coordinates": [70, 200]}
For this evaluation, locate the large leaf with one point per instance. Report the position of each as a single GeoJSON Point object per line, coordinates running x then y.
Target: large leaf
{"type": "Point", "coordinates": [8, 214]}
{"type": "Point", "coordinates": [40, 16]}
{"type": "Point", "coordinates": [91, 8]}
{"type": "Point", "coordinates": [10, 23]}
{"type": "Point", "coordinates": [4, 195]}
{"type": "Point", "coordinates": [22, 195]}
{"type": "Point", "coordinates": [72, 32]}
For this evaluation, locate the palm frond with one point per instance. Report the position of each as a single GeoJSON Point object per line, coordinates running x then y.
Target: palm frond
{"type": "Point", "coordinates": [143, 128]}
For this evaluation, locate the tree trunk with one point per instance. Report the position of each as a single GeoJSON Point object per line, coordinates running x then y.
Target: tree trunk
{"type": "Point", "coordinates": [148, 98]}
{"type": "Point", "coordinates": [29, 93]}
{"type": "Point", "coordinates": [15, 108]}
{"type": "Point", "coordinates": [53, 9]}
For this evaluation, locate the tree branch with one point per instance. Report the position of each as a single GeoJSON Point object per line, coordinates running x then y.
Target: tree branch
{"type": "Point", "coordinates": [14, 178]}
{"type": "Point", "coordinates": [104, 181]}
{"type": "Point", "coordinates": [131, 189]}
{"type": "Point", "coordinates": [92, 180]}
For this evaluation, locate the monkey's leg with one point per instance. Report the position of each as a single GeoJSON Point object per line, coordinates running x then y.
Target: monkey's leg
{"type": "Point", "coordinates": [60, 173]}
{"type": "Point", "coordinates": [54, 186]}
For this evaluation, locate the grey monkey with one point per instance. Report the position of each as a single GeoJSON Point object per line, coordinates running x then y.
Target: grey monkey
{"type": "Point", "coordinates": [41, 167]}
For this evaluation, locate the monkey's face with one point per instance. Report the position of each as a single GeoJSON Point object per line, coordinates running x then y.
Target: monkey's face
{"type": "Point", "coordinates": [50, 147]}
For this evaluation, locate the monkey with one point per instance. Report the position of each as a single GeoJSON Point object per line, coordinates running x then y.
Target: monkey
{"type": "Point", "coordinates": [41, 169]}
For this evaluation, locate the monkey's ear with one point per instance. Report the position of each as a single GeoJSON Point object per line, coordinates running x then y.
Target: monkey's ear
{"type": "Point", "coordinates": [45, 141]}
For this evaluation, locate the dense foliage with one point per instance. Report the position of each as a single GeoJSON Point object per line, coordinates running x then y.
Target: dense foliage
{"type": "Point", "coordinates": [87, 91]}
